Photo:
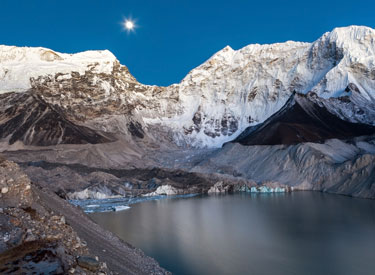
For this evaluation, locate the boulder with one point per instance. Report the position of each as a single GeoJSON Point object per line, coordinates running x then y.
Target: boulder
{"type": "Point", "coordinates": [88, 262]}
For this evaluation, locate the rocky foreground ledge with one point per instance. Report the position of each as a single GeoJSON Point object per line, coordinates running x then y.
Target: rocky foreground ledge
{"type": "Point", "coordinates": [40, 232]}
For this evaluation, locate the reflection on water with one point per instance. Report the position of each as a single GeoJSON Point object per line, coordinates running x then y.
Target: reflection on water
{"type": "Point", "coordinates": [294, 233]}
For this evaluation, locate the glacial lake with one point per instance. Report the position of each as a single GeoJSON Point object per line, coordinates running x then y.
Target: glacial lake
{"type": "Point", "coordinates": [292, 233]}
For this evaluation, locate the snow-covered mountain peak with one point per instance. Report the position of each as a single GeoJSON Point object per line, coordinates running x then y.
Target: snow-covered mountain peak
{"type": "Point", "coordinates": [9, 54]}
{"type": "Point", "coordinates": [19, 64]}
{"type": "Point", "coordinates": [352, 33]}
{"type": "Point", "coordinates": [217, 100]}
{"type": "Point", "coordinates": [352, 53]}
{"type": "Point", "coordinates": [355, 41]}
{"type": "Point", "coordinates": [236, 89]}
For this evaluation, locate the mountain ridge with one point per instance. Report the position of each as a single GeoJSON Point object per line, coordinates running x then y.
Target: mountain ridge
{"type": "Point", "coordinates": [122, 124]}
{"type": "Point", "coordinates": [215, 102]}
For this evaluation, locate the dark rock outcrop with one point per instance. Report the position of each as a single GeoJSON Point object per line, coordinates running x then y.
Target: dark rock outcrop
{"type": "Point", "coordinates": [302, 120]}
{"type": "Point", "coordinates": [26, 117]}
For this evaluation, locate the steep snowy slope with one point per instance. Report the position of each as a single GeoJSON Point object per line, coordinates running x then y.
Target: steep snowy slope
{"type": "Point", "coordinates": [236, 89]}
{"type": "Point", "coordinates": [215, 102]}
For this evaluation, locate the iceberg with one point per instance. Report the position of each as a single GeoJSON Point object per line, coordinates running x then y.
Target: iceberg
{"type": "Point", "coordinates": [121, 208]}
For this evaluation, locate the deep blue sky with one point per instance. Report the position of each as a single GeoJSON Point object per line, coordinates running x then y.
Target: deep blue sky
{"type": "Point", "coordinates": [172, 37]}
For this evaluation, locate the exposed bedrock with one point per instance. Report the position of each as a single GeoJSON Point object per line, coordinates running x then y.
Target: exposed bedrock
{"type": "Point", "coordinates": [28, 119]}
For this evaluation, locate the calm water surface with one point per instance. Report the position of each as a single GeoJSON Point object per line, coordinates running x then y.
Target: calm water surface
{"type": "Point", "coordinates": [297, 233]}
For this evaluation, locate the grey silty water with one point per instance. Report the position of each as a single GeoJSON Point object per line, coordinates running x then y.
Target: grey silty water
{"type": "Point", "coordinates": [294, 233]}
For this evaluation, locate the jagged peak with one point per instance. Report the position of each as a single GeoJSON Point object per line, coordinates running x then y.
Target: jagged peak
{"type": "Point", "coordinates": [227, 48]}
{"type": "Point", "coordinates": [224, 54]}
{"type": "Point", "coordinates": [227, 53]}
{"type": "Point", "coordinates": [341, 35]}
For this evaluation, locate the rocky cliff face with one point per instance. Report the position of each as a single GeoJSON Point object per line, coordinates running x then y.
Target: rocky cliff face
{"type": "Point", "coordinates": [87, 108]}
{"type": "Point", "coordinates": [28, 119]}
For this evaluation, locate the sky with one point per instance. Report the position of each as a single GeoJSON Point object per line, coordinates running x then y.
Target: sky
{"type": "Point", "coordinates": [171, 37]}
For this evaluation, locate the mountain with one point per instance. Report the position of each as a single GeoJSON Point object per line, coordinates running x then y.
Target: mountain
{"type": "Point", "coordinates": [334, 166]}
{"type": "Point", "coordinates": [87, 109]}
{"type": "Point", "coordinates": [304, 118]}
{"type": "Point", "coordinates": [215, 102]}
{"type": "Point", "coordinates": [27, 118]}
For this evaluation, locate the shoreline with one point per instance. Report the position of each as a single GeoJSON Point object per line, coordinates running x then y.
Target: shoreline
{"type": "Point", "coordinates": [89, 206]}
{"type": "Point", "coordinates": [121, 257]}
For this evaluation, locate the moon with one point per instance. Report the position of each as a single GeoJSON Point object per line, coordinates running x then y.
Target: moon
{"type": "Point", "coordinates": [129, 25]}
